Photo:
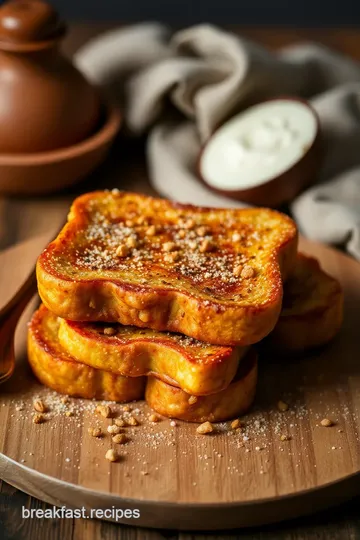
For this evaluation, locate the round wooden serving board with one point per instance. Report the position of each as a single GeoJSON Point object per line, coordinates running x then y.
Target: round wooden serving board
{"type": "Point", "coordinates": [177, 478]}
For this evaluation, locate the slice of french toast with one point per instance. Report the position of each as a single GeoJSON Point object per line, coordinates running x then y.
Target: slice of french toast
{"type": "Point", "coordinates": [311, 316]}
{"type": "Point", "coordinates": [55, 368]}
{"type": "Point", "coordinates": [312, 311]}
{"type": "Point", "coordinates": [234, 401]}
{"type": "Point", "coordinates": [196, 367]}
{"type": "Point", "coordinates": [59, 371]}
{"type": "Point", "coordinates": [211, 274]}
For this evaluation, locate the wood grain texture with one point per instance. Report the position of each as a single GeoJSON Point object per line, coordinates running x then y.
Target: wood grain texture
{"type": "Point", "coordinates": [198, 482]}
{"type": "Point", "coordinates": [25, 218]}
{"type": "Point", "coordinates": [338, 525]}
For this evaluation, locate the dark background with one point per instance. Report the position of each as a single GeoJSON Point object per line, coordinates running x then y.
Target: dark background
{"type": "Point", "coordinates": [243, 12]}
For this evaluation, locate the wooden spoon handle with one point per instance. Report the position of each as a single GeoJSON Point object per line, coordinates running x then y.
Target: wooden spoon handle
{"type": "Point", "coordinates": [9, 317]}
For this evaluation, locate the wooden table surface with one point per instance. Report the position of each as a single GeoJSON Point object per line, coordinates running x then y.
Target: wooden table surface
{"type": "Point", "coordinates": [21, 219]}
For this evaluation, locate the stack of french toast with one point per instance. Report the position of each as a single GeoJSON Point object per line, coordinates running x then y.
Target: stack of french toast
{"type": "Point", "coordinates": [146, 298]}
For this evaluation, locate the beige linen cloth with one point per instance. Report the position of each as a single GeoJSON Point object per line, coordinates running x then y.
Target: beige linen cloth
{"type": "Point", "coordinates": [179, 87]}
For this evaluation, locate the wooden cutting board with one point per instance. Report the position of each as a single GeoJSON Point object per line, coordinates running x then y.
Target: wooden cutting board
{"type": "Point", "coordinates": [176, 478]}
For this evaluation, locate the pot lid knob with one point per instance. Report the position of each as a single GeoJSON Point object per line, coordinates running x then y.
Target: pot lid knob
{"type": "Point", "coordinates": [28, 22]}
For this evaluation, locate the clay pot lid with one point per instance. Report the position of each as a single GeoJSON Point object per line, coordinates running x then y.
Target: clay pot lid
{"type": "Point", "coordinates": [27, 25]}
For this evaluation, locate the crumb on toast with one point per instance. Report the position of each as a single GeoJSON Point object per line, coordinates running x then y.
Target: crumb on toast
{"type": "Point", "coordinates": [212, 274]}
{"type": "Point", "coordinates": [59, 371]}
{"type": "Point", "coordinates": [312, 310]}
{"type": "Point", "coordinates": [196, 367]}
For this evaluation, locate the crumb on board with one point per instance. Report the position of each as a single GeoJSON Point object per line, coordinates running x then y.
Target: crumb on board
{"type": "Point", "coordinates": [259, 430]}
{"type": "Point", "coordinates": [112, 455]}
{"type": "Point", "coordinates": [205, 428]}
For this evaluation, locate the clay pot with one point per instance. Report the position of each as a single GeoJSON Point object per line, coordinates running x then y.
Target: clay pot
{"type": "Point", "coordinates": [45, 102]}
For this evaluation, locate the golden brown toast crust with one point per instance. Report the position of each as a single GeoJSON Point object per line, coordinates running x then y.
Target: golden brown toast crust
{"type": "Point", "coordinates": [233, 401]}
{"type": "Point", "coordinates": [58, 370]}
{"type": "Point", "coordinates": [214, 275]}
{"type": "Point", "coordinates": [311, 316]}
{"type": "Point", "coordinates": [312, 311]}
{"type": "Point", "coordinates": [198, 368]}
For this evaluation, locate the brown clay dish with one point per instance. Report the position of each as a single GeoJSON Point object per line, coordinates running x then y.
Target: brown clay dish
{"type": "Point", "coordinates": [45, 172]}
{"type": "Point", "coordinates": [53, 130]}
{"type": "Point", "coordinates": [46, 102]}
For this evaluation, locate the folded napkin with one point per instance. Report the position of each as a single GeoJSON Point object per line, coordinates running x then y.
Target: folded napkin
{"type": "Point", "coordinates": [179, 87]}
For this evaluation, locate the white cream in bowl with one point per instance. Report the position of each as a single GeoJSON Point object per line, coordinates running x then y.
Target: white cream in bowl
{"type": "Point", "coordinates": [258, 145]}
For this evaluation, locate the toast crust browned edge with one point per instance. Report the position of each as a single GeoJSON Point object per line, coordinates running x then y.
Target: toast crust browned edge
{"type": "Point", "coordinates": [234, 400]}
{"type": "Point", "coordinates": [213, 374]}
{"type": "Point", "coordinates": [221, 322]}
{"type": "Point", "coordinates": [222, 355]}
{"type": "Point", "coordinates": [44, 359]}
{"type": "Point", "coordinates": [303, 331]}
